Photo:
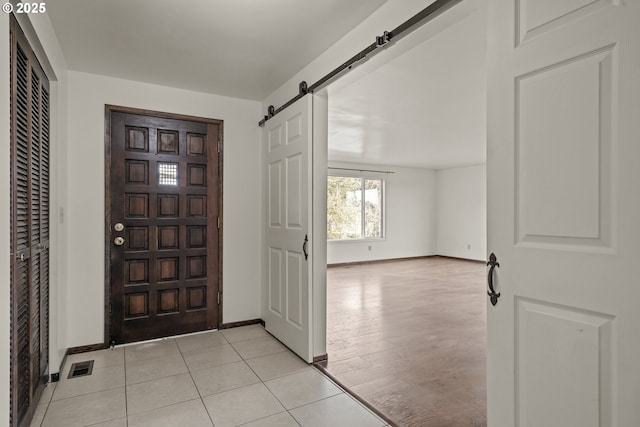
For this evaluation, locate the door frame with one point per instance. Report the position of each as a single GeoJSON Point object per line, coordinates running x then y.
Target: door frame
{"type": "Point", "coordinates": [108, 110]}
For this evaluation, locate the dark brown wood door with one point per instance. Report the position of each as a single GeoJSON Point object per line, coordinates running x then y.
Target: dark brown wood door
{"type": "Point", "coordinates": [164, 226]}
{"type": "Point", "coordinates": [29, 240]}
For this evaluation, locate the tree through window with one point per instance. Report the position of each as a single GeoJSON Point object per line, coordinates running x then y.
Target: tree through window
{"type": "Point", "coordinates": [348, 217]}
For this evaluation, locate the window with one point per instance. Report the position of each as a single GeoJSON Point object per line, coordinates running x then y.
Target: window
{"type": "Point", "coordinates": [167, 174]}
{"type": "Point", "coordinates": [347, 216]}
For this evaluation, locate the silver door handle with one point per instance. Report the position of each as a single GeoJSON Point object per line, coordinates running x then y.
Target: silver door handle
{"type": "Point", "coordinates": [118, 241]}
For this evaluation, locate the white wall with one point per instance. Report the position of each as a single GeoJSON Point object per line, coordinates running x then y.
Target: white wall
{"type": "Point", "coordinates": [462, 212]}
{"type": "Point", "coordinates": [88, 95]}
{"type": "Point", "coordinates": [410, 218]}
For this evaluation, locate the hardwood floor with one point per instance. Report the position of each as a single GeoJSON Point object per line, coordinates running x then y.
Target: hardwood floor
{"type": "Point", "coordinates": [409, 337]}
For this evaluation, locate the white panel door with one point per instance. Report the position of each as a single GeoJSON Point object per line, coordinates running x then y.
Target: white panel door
{"type": "Point", "coordinates": [563, 168]}
{"type": "Point", "coordinates": [287, 283]}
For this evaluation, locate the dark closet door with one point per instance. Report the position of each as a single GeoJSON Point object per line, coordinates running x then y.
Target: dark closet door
{"type": "Point", "coordinates": [29, 171]}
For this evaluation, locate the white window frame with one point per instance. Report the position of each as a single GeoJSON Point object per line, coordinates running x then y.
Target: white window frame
{"type": "Point", "coordinates": [371, 176]}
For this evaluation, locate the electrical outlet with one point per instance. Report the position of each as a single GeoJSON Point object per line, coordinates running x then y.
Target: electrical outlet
{"type": "Point", "coordinates": [468, 247]}
{"type": "Point", "coordinates": [369, 248]}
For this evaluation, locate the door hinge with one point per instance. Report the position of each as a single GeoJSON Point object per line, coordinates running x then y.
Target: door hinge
{"type": "Point", "coordinates": [218, 297]}
{"type": "Point", "coordinates": [218, 223]}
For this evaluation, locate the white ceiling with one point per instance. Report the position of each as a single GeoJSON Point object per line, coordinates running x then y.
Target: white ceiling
{"type": "Point", "coordinates": [238, 48]}
{"type": "Point", "coordinates": [425, 107]}
{"type": "Point", "coordinates": [420, 103]}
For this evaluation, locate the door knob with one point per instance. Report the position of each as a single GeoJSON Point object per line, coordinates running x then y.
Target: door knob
{"type": "Point", "coordinates": [118, 226]}
{"type": "Point", "coordinates": [118, 241]}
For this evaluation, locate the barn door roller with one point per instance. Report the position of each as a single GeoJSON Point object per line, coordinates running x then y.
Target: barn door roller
{"type": "Point", "coordinates": [407, 27]}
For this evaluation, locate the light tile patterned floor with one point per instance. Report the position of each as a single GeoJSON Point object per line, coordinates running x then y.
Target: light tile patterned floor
{"type": "Point", "coordinates": [241, 376]}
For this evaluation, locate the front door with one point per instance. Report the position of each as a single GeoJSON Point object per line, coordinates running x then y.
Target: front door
{"type": "Point", "coordinates": [564, 207]}
{"type": "Point", "coordinates": [163, 226]}
{"type": "Point", "coordinates": [287, 168]}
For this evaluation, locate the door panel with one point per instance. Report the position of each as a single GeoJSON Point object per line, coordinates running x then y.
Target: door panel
{"type": "Point", "coordinates": [563, 205]}
{"type": "Point", "coordinates": [287, 306]}
{"type": "Point", "coordinates": [570, 349]}
{"type": "Point", "coordinates": [164, 191]}
{"type": "Point", "coordinates": [574, 130]}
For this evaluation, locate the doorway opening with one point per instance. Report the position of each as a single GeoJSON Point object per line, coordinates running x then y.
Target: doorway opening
{"type": "Point", "coordinates": [406, 308]}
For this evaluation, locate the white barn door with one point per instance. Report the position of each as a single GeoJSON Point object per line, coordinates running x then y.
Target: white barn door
{"type": "Point", "coordinates": [563, 171]}
{"type": "Point", "coordinates": [287, 177]}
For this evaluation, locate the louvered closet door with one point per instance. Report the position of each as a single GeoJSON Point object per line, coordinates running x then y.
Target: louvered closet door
{"type": "Point", "coordinates": [29, 228]}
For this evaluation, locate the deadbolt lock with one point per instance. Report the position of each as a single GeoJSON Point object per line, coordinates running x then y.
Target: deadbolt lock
{"type": "Point", "coordinates": [119, 241]}
{"type": "Point", "coordinates": [119, 226]}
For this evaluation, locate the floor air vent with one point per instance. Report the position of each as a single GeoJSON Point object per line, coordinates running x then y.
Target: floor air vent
{"type": "Point", "coordinates": [81, 369]}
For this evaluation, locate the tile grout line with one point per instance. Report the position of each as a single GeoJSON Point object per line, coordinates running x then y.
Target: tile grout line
{"type": "Point", "coordinates": [207, 348]}
{"type": "Point", "coordinates": [48, 404]}
{"type": "Point", "coordinates": [244, 360]}
{"type": "Point", "coordinates": [265, 385]}
{"type": "Point", "coordinates": [220, 365]}
{"type": "Point", "coordinates": [194, 381]}
{"type": "Point", "coordinates": [268, 354]}
{"type": "Point", "coordinates": [260, 380]}
{"type": "Point", "coordinates": [86, 394]}
{"type": "Point", "coordinates": [191, 373]}
{"type": "Point", "coordinates": [150, 411]}
{"type": "Point", "coordinates": [346, 391]}
{"type": "Point", "coordinates": [325, 377]}
{"type": "Point", "coordinates": [316, 401]}
{"type": "Point", "coordinates": [151, 358]}
{"type": "Point", "coordinates": [271, 392]}
{"type": "Point", "coordinates": [268, 416]}
{"type": "Point", "coordinates": [245, 339]}
{"type": "Point", "coordinates": [45, 414]}
{"type": "Point", "coordinates": [126, 400]}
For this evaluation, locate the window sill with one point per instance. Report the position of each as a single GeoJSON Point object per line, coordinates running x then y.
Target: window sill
{"type": "Point", "coordinates": [372, 239]}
